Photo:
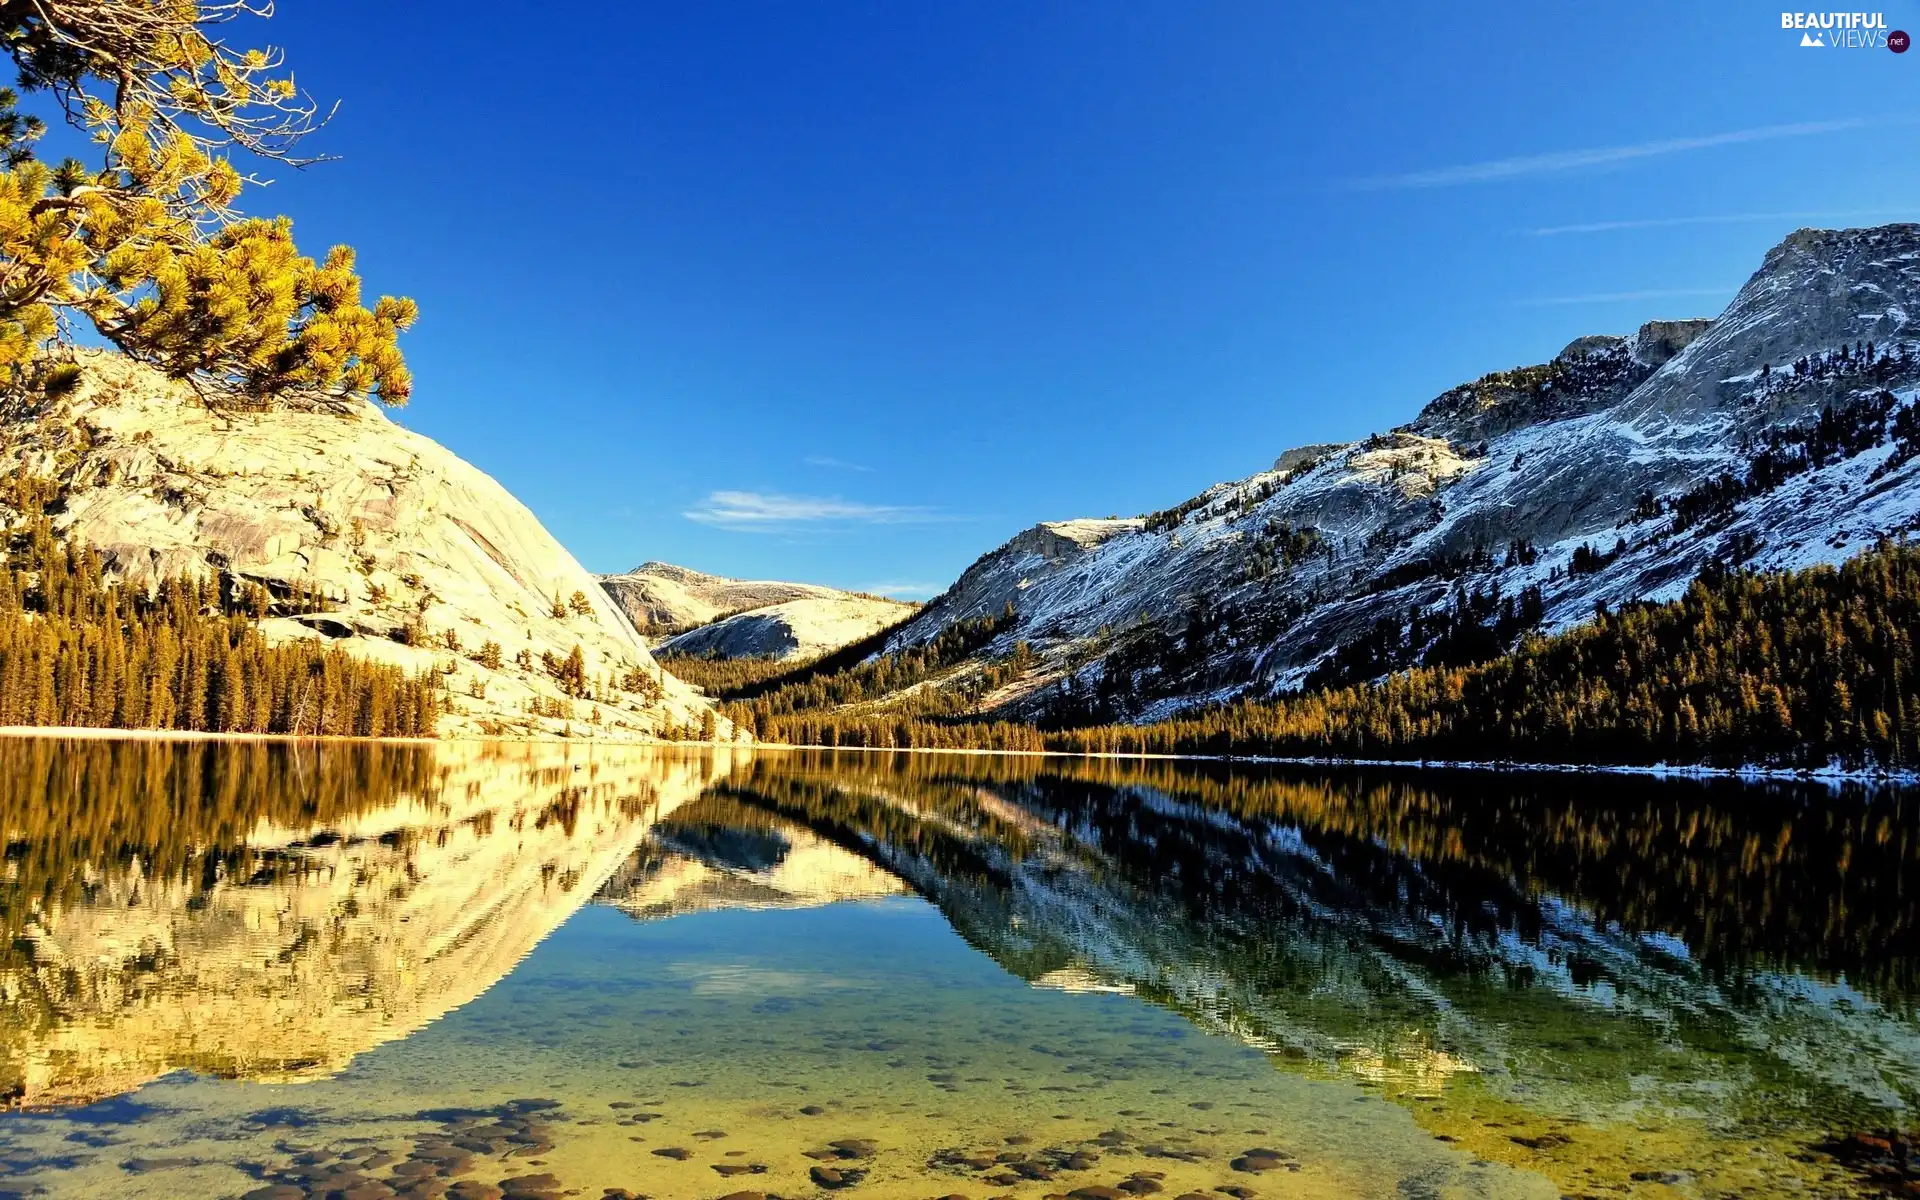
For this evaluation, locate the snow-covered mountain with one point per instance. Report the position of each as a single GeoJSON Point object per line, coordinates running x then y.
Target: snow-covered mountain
{"type": "Point", "coordinates": [663, 599]}
{"type": "Point", "coordinates": [1782, 433]}
{"type": "Point", "coordinates": [798, 629]}
{"type": "Point", "coordinates": [715, 616]}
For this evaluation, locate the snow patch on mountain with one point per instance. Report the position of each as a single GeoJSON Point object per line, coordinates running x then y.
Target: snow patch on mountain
{"type": "Point", "coordinates": [1589, 478]}
{"type": "Point", "coordinates": [798, 629]}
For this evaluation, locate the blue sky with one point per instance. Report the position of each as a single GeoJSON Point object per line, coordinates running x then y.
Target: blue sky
{"type": "Point", "coordinates": [851, 293]}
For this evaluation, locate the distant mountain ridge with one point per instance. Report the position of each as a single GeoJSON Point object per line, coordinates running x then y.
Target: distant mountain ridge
{"type": "Point", "coordinates": [662, 599]}
{"type": "Point", "coordinates": [697, 614]}
{"type": "Point", "coordinates": [1782, 433]}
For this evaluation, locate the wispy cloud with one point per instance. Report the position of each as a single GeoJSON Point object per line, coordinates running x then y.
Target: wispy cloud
{"type": "Point", "coordinates": [768, 512]}
{"type": "Point", "coordinates": [1558, 162]}
{"type": "Point", "coordinates": [1717, 219]}
{"type": "Point", "coordinates": [833, 464]}
{"type": "Point", "coordinates": [1616, 297]}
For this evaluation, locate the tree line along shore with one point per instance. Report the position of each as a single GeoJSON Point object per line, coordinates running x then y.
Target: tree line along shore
{"type": "Point", "coordinates": [1788, 669]}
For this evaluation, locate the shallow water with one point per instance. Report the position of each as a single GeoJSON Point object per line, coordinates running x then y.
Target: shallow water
{"type": "Point", "coordinates": [372, 971]}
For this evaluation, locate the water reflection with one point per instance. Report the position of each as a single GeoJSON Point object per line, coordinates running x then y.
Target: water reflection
{"type": "Point", "coordinates": [1605, 977]}
{"type": "Point", "coordinates": [1619, 986]}
{"type": "Point", "coordinates": [268, 911]}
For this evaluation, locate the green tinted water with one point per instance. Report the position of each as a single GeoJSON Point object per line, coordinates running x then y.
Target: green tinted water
{"type": "Point", "coordinates": [377, 971]}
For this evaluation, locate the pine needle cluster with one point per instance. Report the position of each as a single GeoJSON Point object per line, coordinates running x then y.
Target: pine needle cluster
{"type": "Point", "coordinates": [147, 244]}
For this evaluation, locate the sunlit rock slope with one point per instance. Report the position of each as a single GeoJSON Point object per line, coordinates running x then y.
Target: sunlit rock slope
{"type": "Point", "coordinates": [365, 533]}
{"type": "Point", "coordinates": [1782, 433]}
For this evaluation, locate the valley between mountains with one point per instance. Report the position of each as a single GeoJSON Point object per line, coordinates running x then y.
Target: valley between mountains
{"type": "Point", "coordinates": [1489, 575]}
{"type": "Point", "coordinates": [1781, 435]}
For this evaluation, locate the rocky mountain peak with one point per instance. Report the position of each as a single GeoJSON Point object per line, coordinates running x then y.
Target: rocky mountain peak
{"type": "Point", "coordinates": [1838, 247]}
{"type": "Point", "coordinates": [1307, 456]}
{"type": "Point", "coordinates": [1778, 434]}
{"type": "Point", "coordinates": [1590, 373]}
{"type": "Point", "coordinates": [1657, 342]}
{"type": "Point", "coordinates": [662, 599]}
{"type": "Point", "coordinates": [794, 629]}
{"type": "Point", "coordinates": [700, 615]}
{"type": "Point", "coordinates": [667, 570]}
{"type": "Point", "coordinates": [1816, 291]}
{"type": "Point", "coordinates": [1593, 345]}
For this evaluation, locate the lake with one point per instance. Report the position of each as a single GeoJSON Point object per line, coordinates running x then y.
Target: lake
{"type": "Point", "coordinates": [280, 970]}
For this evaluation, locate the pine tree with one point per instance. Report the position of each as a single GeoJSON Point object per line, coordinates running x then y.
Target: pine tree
{"type": "Point", "coordinates": [186, 655]}
{"type": "Point", "coordinates": [1791, 669]}
{"type": "Point", "coordinates": [147, 244]}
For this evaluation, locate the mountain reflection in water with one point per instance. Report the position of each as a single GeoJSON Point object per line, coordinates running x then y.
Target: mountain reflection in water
{"type": "Point", "coordinates": [270, 910]}
{"type": "Point", "coordinates": [1621, 985]}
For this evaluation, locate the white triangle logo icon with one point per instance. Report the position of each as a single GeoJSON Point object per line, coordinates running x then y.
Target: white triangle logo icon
{"type": "Point", "coordinates": [1811, 39]}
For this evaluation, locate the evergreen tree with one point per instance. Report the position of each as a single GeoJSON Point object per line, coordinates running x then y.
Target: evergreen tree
{"type": "Point", "coordinates": [77, 648]}
{"type": "Point", "coordinates": [1789, 669]}
{"type": "Point", "coordinates": [147, 244]}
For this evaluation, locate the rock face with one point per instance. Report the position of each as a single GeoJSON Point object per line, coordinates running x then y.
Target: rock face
{"type": "Point", "coordinates": [713, 616]}
{"type": "Point", "coordinates": [393, 534]}
{"type": "Point", "coordinates": [1659, 341]}
{"type": "Point", "coordinates": [662, 599]}
{"type": "Point", "coordinates": [1615, 445]}
{"type": "Point", "coordinates": [798, 629]}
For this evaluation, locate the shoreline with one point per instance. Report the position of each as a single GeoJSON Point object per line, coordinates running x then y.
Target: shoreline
{"type": "Point", "coordinates": [1751, 772]}
{"type": "Point", "coordinates": [1748, 772]}
{"type": "Point", "coordinates": [101, 733]}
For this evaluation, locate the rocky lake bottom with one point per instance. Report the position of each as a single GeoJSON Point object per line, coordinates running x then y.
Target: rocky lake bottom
{"type": "Point", "coordinates": [862, 1049]}
{"type": "Point", "coordinates": [528, 972]}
